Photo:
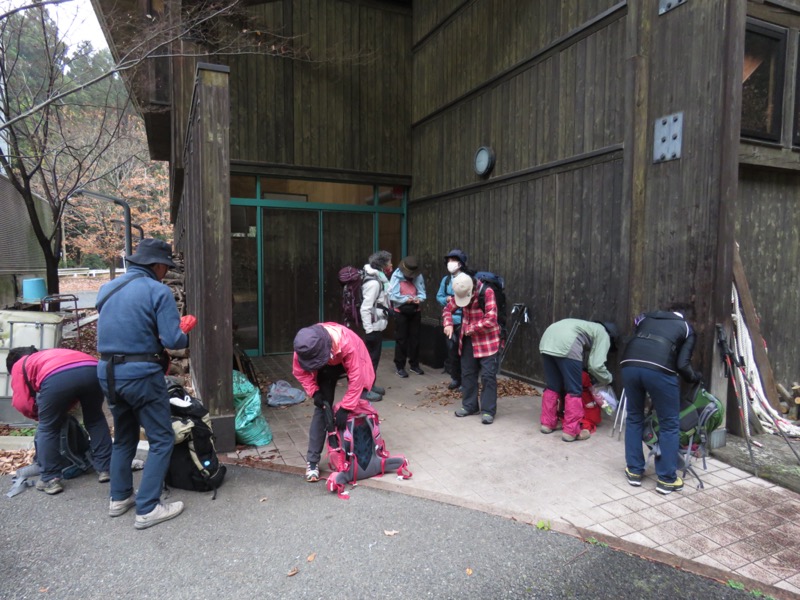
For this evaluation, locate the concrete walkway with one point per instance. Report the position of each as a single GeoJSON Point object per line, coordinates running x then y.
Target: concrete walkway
{"type": "Point", "coordinates": [738, 528]}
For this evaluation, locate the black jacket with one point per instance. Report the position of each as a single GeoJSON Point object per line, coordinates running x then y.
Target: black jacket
{"type": "Point", "coordinates": [662, 341]}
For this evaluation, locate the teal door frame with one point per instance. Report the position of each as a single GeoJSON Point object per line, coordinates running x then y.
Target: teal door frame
{"type": "Point", "coordinates": [375, 209]}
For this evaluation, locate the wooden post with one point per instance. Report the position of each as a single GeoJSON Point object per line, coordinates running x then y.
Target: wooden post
{"type": "Point", "coordinates": [206, 206]}
{"type": "Point", "coordinates": [749, 312]}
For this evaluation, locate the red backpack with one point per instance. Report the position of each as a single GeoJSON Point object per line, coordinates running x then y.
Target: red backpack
{"type": "Point", "coordinates": [358, 452]}
{"type": "Point", "coordinates": [352, 279]}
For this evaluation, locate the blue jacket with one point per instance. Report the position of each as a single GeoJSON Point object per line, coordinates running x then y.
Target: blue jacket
{"type": "Point", "coordinates": [141, 318]}
{"type": "Point", "coordinates": [394, 288]}
{"type": "Point", "coordinates": [445, 290]}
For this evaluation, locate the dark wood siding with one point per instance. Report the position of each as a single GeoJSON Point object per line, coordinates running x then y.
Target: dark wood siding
{"type": "Point", "coordinates": [525, 230]}
{"type": "Point", "coordinates": [349, 110]}
{"type": "Point", "coordinates": [767, 220]}
{"type": "Point", "coordinates": [575, 214]}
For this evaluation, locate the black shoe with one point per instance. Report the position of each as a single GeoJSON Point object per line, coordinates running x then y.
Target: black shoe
{"type": "Point", "coordinates": [401, 373]}
{"type": "Point", "coordinates": [371, 396]}
{"type": "Point", "coordinates": [376, 389]}
{"type": "Point", "coordinates": [463, 412]}
{"type": "Point", "coordinates": [416, 370]}
{"type": "Point", "coordinates": [454, 384]}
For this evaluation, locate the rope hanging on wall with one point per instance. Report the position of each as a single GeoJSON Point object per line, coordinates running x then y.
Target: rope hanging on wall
{"type": "Point", "coordinates": [748, 379]}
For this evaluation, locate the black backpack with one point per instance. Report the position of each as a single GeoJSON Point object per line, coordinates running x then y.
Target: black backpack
{"type": "Point", "coordinates": [194, 464]}
{"type": "Point", "coordinates": [498, 285]}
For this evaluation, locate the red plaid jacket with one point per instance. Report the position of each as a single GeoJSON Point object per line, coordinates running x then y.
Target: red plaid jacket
{"type": "Point", "coordinates": [481, 327]}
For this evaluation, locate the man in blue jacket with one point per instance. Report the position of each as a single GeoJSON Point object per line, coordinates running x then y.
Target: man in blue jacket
{"type": "Point", "coordinates": [660, 349]}
{"type": "Point", "coordinates": [138, 319]}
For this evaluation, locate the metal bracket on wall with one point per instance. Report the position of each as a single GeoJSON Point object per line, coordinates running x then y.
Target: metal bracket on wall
{"type": "Point", "coordinates": [667, 137]}
{"type": "Point", "coordinates": [664, 6]}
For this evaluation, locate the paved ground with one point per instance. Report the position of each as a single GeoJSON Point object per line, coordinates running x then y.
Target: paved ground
{"type": "Point", "coordinates": [738, 527]}
{"type": "Point", "coordinates": [265, 525]}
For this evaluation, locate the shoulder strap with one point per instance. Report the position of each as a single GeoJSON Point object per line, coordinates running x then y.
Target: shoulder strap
{"type": "Point", "coordinates": [25, 377]}
{"type": "Point", "coordinates": [99, 305]}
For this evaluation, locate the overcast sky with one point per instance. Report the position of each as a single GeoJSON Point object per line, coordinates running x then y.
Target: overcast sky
{"type": "Point", "coordinates": [76, 20]}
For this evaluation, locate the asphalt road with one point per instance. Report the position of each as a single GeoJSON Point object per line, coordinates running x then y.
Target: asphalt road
{"type": "Point", "coordinates": [263, 525]}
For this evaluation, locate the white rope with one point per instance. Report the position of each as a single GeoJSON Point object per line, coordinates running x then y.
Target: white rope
{"type": "Point", "coordinates": [751, 389]}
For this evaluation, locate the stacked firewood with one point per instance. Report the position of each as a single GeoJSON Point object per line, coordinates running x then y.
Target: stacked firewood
{"type": "Point", "coordinates": [174, 279]}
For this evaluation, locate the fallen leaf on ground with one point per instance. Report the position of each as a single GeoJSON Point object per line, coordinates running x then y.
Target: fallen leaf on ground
{"type": "Point", "coordinates": [390, 533]}
{"type": "Point", "coordinates": [293, 572]}
{"type": "Point", "coordinates": [264, 499]}
{"type": "Point", "coordinates": [311, 557]}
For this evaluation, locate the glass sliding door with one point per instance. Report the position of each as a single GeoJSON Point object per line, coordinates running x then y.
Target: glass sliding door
{"type": "Point", "coordinates": [291, 286]}
{"type": "Point", "coordinates": [348, 239]}
{"type": "Point", "coordinates": [244, 277]}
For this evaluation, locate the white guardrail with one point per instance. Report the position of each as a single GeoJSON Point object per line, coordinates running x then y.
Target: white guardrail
{"type": "Point", "coordinates": [83, 272]}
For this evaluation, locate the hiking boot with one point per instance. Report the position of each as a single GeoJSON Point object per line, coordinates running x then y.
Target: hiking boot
{"type": "Point", "coordinates": [585, 434]}
{"type": "Point", "coordinates": [545, 429]}
{"type": "Point", "coordinates": [453, 385]}
{"type": "Point", "coordinates": [662, 487]}
{"type": "Point", "coordinates": [312, 472]}
{"type": "Point", "coordinates": [161, 513]}
{"type": "Point", "coordinates": [634, 479]}
{"type": "Point", "coordinates": [565, 437]}
{"type": "Point", "coordinates": [103, 477]}
{"type": "Point", "coordinates": [401, 373]}
{"type": "Point", "coordinates": [376, 389]}
{"type": "Point", "coordinates": [371, 396]}
{"type": "Point", "coordinates": [487, 419]}
{"type": "Point", "coordinates": [463, 412]}
{"type": "Point", "coordinates": [418, 370]}
{"type": "Point", "coordinates": [117, 508]}
{"type": "Point", "coordinates": [50, 487]}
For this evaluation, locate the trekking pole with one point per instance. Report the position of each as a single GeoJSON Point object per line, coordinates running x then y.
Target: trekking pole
{"type": "Point", "coordinates": [520, 311]}
{"type": "Point", "coordinates": [728, 355]}
{"type": "Point", "coordinates": [768, 411]}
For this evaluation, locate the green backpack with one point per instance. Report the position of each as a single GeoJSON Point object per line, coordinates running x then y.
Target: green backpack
{"type": "Point", "coordinates": [700, 414]}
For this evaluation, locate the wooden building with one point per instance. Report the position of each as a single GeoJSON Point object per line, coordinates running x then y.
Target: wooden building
{"type": "Point", "coordinates": [626, 148]}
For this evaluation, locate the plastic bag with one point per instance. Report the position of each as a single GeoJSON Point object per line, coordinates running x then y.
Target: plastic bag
{"type": "Point", "coordinates": [250, 425]}
{"type": "Point", "coordinates": [281, 393]}
{"type": "Point", "coordinates": [606, 398]}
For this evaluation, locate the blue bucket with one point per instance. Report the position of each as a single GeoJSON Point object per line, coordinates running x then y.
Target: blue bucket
{"type": "Point", "coordinates": [33, 290]}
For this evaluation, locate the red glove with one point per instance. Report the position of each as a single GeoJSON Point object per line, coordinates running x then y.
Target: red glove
{"type": "Point", "coordinates": [187, 323]}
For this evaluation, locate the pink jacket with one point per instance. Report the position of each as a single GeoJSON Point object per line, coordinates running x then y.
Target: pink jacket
{"type": "Point", "coordinates": [347, 349]}
{"type": "Point", "coordinates": [39, 366]}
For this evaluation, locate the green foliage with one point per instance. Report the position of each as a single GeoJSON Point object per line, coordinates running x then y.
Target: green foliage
{"type": "Point", "coordinates": [736, 585]}
{"type": "Point", "coordinates": [93, 261]}
{"type": "Point", "coordinates": [23, 432]}
{"type": "Point", "coordinates": [595, 542]}
{"type": "Point", "coordinates": [543, 525]}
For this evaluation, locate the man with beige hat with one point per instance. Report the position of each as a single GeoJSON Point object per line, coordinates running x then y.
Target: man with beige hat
{"type": "Point", "coordinates": [479, 344]}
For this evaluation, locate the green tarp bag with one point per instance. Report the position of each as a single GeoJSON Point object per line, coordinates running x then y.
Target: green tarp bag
{"type": "Point", "coordinates": [250, 425]}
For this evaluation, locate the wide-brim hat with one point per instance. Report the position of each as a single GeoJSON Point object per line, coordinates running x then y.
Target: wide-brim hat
{"type": "Point", "coordinates": [312, 346]}
{"type": "Point", "coordinates": [151, 252]}
{"type": "Point", "coordinates": [462, 289]}
{"type": "Point", "coordinates": [409, 267]}
{"type": "Point", "coordinates": [458, 255]}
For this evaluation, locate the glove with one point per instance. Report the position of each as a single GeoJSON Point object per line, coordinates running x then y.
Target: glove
{"type": "Point", "coordinates": [340, 418]}
{"type": "Point", "coordinates": [187, 323]}
{"type": "Point", "coordinates": [318, 401]}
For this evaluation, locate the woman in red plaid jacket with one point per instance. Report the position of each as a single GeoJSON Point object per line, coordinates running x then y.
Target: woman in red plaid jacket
{"type": "Point", "coordinates": [479, 344]}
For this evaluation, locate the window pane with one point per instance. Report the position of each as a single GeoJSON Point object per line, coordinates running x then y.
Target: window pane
{"type": "Point", "coordinates": [391, 196]}
{"type": "Point", "coordinates": [326, 192]}
{"type": "Point", "coordinates": [244, 276]}
{"type": "Point", "coordinates": [762, 83]}
{"type": "Point", "coordinates": [796, 136]}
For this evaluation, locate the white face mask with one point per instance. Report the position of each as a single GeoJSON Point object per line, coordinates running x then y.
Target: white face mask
{"type": "Point", "coordinates": [453, 266]}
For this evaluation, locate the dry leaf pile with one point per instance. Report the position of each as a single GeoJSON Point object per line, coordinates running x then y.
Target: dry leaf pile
{"type": "Point", "coordinates": [11, 460]}
{"type": "Point", "coordinates": [439, 394]}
